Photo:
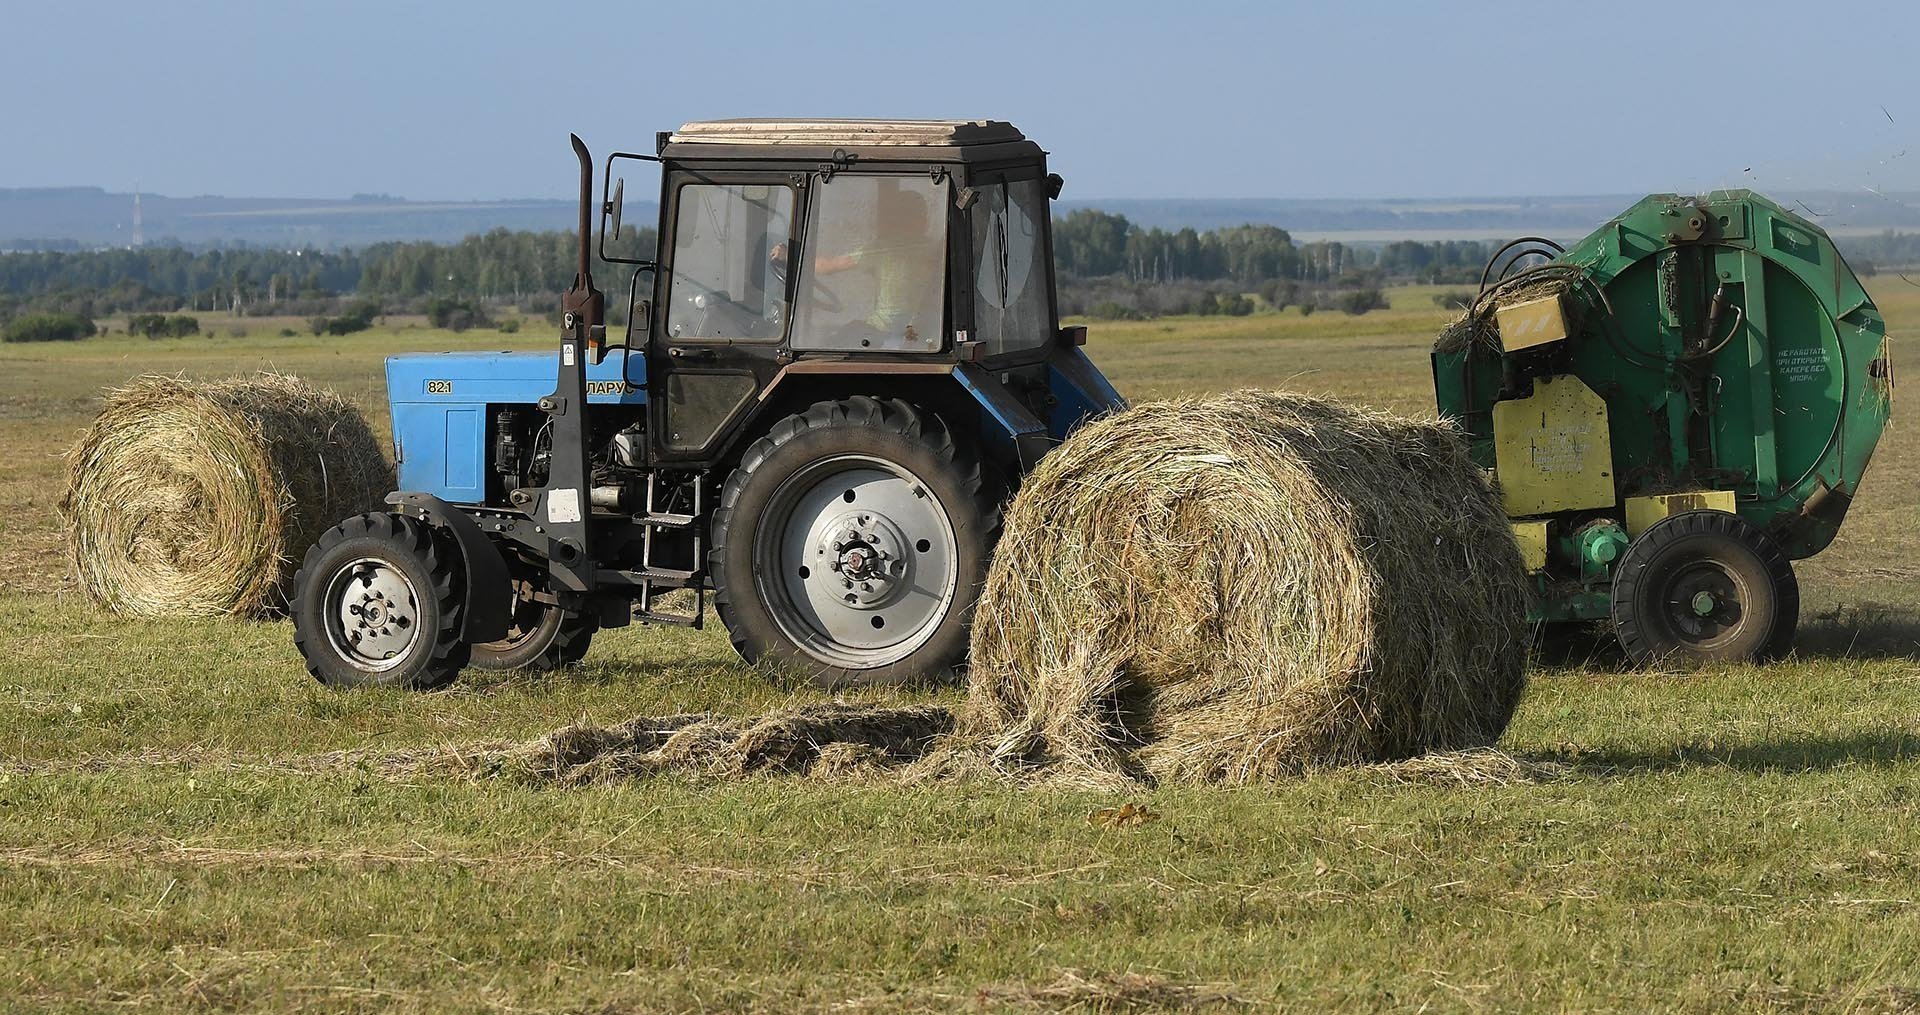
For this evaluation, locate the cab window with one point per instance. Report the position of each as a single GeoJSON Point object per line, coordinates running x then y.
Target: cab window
{"type": "Point", "coordinates": [875, 277]}
{"type": "Point", "coordinates": [1010, 311]}
{"type": "Point", "coordinates": [724, 284]}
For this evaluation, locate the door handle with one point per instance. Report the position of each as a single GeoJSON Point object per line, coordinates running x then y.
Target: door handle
{"type": "Point", "coordinates": [691, 354]}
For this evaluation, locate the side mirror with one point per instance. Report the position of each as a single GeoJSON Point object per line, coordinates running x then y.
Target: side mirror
{"type": "Point", "coordinates": [616, 246]}
{"type": "Point", "coordinates": [613, 207]}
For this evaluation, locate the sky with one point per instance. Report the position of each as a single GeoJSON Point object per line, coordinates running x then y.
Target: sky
{"type": "Point", "coordinates": [474, 100]}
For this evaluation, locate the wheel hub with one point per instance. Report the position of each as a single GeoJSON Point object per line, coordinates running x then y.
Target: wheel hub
{"type": "Point", "coordinates": [865, 558]}
{"type": "Point", "coordinates": [374, 612]}
{"type": "Point", "coordinates": [1703, 602]}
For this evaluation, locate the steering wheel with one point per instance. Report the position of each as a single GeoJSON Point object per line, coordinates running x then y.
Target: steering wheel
{"type": "Point", "coordinates": [703, 301]}
{"type": "Point", "coordinates": [823, 297]}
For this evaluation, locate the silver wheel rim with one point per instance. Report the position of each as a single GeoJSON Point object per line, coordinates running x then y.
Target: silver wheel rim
{"type": "Point", "coordinates": [373, 614]}
{"type": "Point", "coordinates": [855, 558]}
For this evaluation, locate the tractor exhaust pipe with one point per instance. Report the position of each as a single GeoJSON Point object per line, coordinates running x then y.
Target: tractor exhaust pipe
{"type": "Point", "coordinates": [585, 306]}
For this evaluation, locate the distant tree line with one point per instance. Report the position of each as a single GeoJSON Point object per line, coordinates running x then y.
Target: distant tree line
{"type": "Point", "coordinates": [1107, 266]}
{"type": "Point", "coordinates": [496, 267]}
{"type": "Point", "coordinates": [1888, 251]}
{"type": "Point", "coordinates": [1094, 244]}
{"type": "Point", "coordinates": [1110, 267]}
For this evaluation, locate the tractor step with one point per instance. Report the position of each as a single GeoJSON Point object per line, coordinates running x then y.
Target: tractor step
{"type": "Point", "coordinates": [651, 580]}
{"type": "Point", "coordinates": [676, 619]}
{"type": "Point", "coordinates": [660, 577]}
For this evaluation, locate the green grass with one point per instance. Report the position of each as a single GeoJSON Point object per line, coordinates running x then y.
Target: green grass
{"type": "Point", "coordinates": [172, 838]}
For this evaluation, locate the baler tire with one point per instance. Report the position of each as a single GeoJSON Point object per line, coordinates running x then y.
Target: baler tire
{"type": "Point", "coordinates": [1751, 604]}
{"type": "Point", "coordinates": [913, 444]}
{"type": "Point", "coordinates": [408, 556]}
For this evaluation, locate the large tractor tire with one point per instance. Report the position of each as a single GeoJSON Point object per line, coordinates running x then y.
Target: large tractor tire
{"type": "Point", "coordinates": [1704, 586]}
{"type": "Point", "coordinates": [540, 636]}
{"type": "Point", "coordinates": [376, 602]}
{"type": "Point", "coordinates": [851, 543]}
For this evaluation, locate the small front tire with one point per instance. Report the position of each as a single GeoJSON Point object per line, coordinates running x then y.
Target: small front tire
{"type": "Point", "coordinates": [376, 603]}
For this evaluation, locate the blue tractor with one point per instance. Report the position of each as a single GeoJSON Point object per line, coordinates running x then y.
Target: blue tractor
{"type": "Point", "coordinates": [840, 360]}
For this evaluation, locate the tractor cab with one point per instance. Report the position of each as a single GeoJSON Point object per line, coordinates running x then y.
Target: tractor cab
{"type": "Point", "coordinates": [841, 356]}
{"type": "Point", "coordinates": [829, 247]}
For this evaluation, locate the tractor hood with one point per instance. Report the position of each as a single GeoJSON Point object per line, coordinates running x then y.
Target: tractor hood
{"type": "Point", "coordinates": [507, 378]}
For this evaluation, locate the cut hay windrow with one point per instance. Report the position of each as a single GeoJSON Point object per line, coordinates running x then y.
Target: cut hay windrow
{"type": "Point", "coordinates": [1246, 586]}
{"type": "Point", "coordinates": [835, 741]}
{"type": "Point", "coordinates": [187, 499]}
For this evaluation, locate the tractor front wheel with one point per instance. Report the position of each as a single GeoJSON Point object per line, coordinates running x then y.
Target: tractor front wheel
{"type": "Point", "coordinates": [851, 543]}
{"type": "Point", "coordinates": [376, 602]}
{"type": "Point", "coordinates": [1704, 586]}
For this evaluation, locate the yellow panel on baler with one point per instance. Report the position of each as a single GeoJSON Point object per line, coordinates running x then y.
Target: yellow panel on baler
{"type": "Point", "coordinates": [1642, 512]}
{"type": "Point", "coordinates": [1531, 537]}
{"type": "Point", "coordinates": [1532, 323]}
{"type": "Point", "coordinates": [1553, 450]}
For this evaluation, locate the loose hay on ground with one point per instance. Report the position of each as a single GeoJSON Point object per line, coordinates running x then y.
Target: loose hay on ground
{"type": "Point", "coordinates": [835, 742]}
{"type": "Point", "coordinates": [188, 499]}
{"type": "Point", "coordinates": [1246, 586]}
{"type": "Point", "coordinates": [1478, 766]}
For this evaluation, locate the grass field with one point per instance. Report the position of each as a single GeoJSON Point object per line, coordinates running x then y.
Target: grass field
{"type": "Point", "coordinates": [174, 835]}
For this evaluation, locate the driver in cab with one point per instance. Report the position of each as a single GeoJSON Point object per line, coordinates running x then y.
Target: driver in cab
{"type": "Point", "coordinates": [896, 256]}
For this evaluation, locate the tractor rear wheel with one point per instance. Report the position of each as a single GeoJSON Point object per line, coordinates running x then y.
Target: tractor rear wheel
{"type": "Point", "coordinates": [1704, 586]}
{"type": "Point", "coordinates": [377, 602]}
{"type": "Point", "coordinates": [851, 542]}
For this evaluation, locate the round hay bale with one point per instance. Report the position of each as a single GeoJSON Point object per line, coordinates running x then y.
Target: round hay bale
{"type": "Point", "coordinates": [188, 499]}
{"type": "Point", "coordinates": [1229, 589]}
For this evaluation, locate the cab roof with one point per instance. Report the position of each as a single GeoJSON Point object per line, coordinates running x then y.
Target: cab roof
{"type": "Point", "coordinates": [881, 140]}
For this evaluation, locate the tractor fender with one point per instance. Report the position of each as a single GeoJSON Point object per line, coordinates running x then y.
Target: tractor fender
{"type": "Point", "coordinates": [1005, 422]}
{"type": "Point", "coordinates": [967, 395]}
{"type": "Point", "coordinates": [1080, 391]}
{"type": "Point", "coordinates": [488, 598]}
